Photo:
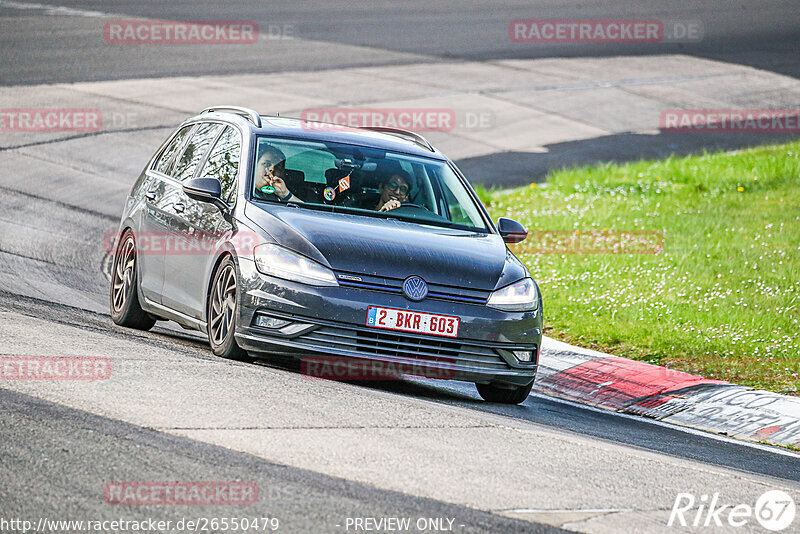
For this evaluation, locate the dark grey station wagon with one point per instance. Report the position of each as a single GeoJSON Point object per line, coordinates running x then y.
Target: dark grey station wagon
{"type": "Point", "coordinates": [364, 252]}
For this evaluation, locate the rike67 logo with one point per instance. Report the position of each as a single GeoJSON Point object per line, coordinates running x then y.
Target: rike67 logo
{"type": "Point", "coordinates": [774, 511]}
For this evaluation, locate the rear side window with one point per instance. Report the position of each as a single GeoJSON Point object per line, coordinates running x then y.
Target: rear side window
{"type": "Point", "coordinates": [195, 151]}
{"type": "Point", "coordinates": [313, 162]}
{"type": "Point", "coordinates": [223, 161]}
{"type": "Point", "coordinates": [163, 163]}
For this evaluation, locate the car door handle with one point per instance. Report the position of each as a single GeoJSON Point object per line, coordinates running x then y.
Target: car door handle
{"type": "Point", "coordinates": [179, 207]}
{"type": "Point", "coordinates": [150, 195]}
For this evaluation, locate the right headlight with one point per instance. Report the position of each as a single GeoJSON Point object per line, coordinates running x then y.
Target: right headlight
{"type": "Point", "coordinates": [519, 296]}
{"type": "Point", "coordinates": [275, 260]}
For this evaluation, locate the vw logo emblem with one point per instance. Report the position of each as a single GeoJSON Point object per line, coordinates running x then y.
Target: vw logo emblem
{"type": "Point", "coordinates": [415, 288]}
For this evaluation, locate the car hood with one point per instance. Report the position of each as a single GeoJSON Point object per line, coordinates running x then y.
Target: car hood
{"type": "Point", "coordinates": [388, 247]}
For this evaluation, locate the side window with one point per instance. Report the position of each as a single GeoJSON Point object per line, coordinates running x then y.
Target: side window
{"type": "Point", "coordinates": [195, 150]}
{"type": "Point", "coordinates": [162, 165]}
{"type": "Point", "coordinates": [460, 206]}
{"type": "Point", "coordinates": [223, 161]}
{"type": "Point", "coordinates": [456, 211]}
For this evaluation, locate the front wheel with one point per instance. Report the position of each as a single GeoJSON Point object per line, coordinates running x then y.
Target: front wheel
{"type": "Point", "coordinates": [124, 301]}
{"type": "Point", "coordinates": [221, 313]}
{"type": "Point", "coordinates": [510, 395]}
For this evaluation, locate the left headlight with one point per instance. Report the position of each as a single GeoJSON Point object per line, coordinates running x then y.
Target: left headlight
{"type": "Point", "coordinates": [275, 260]}
{"type": "Point", "coordinates": [519, 296]}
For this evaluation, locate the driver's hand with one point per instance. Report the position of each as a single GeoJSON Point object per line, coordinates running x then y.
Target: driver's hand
{"type": "Point", "coordinates": [391, 205]}
{"type": "Point", "coordinates": [270, 179]}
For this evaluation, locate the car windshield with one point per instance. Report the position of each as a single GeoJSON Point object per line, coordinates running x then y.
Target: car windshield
{"type": "Point", "coordinates": [363, 181]}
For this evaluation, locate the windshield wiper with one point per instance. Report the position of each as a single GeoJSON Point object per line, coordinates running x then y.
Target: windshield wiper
{"type": "Point", "coordinates": [306, 205]}
{"type": "Point", "coordinates": [430, 222]}
{"type": "Point", "coordinates": [330, 208]}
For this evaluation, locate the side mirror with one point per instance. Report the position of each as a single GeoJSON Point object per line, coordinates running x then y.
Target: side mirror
{"type": "Point", "coordinates": [511, 231]}
{"type": "Point", "coordinates": [205, 190]}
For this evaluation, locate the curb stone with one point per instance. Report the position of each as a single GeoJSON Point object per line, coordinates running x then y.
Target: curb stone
{"type": "Point", "coordinates": [639, 388]}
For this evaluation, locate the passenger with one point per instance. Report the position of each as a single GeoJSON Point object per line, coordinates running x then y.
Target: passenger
{"type": "Point", "coordinates": [270, 170]}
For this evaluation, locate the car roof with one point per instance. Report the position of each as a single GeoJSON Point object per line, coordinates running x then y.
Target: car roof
{"type": "Point", "coordinates": [391, 140]}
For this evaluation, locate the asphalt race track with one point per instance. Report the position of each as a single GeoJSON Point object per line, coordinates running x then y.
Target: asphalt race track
{"type": "Point", "coordinates": [342, 33]}
{"type": "Point", "coordinates": [320, 452]}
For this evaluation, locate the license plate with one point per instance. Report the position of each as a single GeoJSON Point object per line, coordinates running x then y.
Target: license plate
{"type": "Point", "coordinates": [411, 321]}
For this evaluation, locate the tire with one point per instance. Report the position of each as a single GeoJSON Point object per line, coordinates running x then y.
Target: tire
{"type": "Point", "coordinates": [221, 312]}
{"type": "Point", "coordinates": [512, 395]}
{"type": "Point", "coordinates": [124, 295]}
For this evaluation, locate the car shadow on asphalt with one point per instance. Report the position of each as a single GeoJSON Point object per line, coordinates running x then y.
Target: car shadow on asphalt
{"type": "Point", "coordinates": [408, 386]}
{"type": "Point", "coordinates": [509, 169]}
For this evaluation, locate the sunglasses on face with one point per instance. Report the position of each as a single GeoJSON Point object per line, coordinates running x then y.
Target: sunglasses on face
{"type": "Point", "coordinates": [394, 186]}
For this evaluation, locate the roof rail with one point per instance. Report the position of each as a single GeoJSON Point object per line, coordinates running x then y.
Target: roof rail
{"type": "Point", "coordinates": [247, 113]}
{"type": "Point", "coordinates": [415, 137]}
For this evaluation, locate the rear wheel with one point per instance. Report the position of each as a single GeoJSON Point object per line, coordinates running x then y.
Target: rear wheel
{"type": "Point", "coordinates": [221, 313]}
{"type": "Point", "coordinates": [511, 395]}
{"type": "Point", "coordinates": [124, 302]}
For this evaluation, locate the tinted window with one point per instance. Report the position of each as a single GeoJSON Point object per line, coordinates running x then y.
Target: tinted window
{"type": "Point", "coordinates": [457, 199]}
{"type": "Point", "coordinates": [223, 161]}
{"type": "Point", "coordinates": [364, 181]}
{"type": "Point", "coordinates": [195, 151]}
{"type": "Point", "coordinates": [162, 165]}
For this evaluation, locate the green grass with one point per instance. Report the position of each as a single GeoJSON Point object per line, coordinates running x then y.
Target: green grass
{"type": "Point", "coordinates": [790, 447]}
{"type": "Point", "coordinates": [720, 299]}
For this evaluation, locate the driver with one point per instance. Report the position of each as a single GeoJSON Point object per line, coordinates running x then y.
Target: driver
{"type": "Point", "coordinates": [394, 191]}
{"type": "Point", "coordinates": [270, 168]}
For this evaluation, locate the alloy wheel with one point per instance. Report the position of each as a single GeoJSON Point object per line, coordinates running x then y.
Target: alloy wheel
{"type": "Point", "coordinates": [223, 305]}
{"type": "Point", "coordinates": [123, 273]}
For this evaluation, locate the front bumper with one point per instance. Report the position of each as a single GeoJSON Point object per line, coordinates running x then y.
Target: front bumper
{"type": "Point", "coordinates": [329, 322]}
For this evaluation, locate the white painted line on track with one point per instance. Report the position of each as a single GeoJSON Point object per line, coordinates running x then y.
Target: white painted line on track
{"type": "Point", "coordinates": [54, 10]}
{"type": "Point", "coordinates": [579, 510]}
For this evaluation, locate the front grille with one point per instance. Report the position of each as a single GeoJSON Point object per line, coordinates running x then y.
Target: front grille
{"type": "Point", "coordinates": [429, 349]}
{"type": "Point", "coordinates": [398, 345]}
{"type": "Point", "coordinates": [395, 285]}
